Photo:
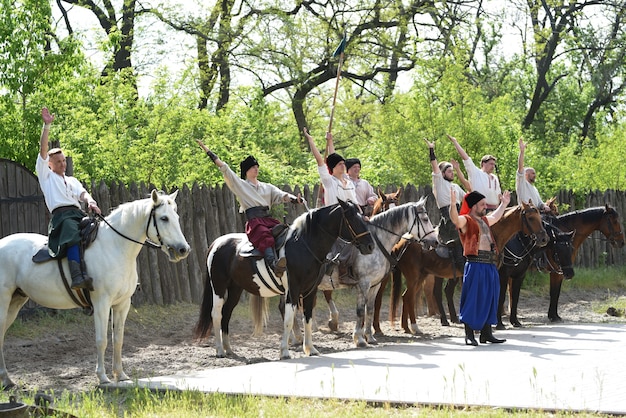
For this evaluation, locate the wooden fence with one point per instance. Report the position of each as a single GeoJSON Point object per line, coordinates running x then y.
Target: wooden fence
{"type": "Point", "coordinates": [206, 212]}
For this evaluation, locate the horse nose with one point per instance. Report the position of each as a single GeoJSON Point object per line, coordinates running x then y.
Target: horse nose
{"type": "Point", "coordinates": [370, 248]}
{"type": "Point", "coordinates": [542, 239]}
{"type": "Point", "coordinates": [183, 250]}
{"type": "Point", "coordinates": [568, 273]}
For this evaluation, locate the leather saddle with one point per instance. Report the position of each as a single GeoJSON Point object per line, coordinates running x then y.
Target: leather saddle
{"type": "Point", "coordinates": [88, 230]}
{"type": "Point", "coordinates": [279, 232]}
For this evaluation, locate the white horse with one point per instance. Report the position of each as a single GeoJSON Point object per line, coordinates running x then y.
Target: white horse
{"type": "Point", "coordinates": [111, 262]}
{"type": "Point", "coordinates": [387, 228]}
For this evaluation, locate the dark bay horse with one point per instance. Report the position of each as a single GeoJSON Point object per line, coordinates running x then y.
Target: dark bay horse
{"type": "Point", "coordinates": [601, 218]}
{"type": "Point", "coordinates": [309, 239]}
{"type": "Point", "coordinates": [416, 263]}
{"type": "Point", "coordinates": [387, 229]}
{"type": "Point", "coordinates": [520, 253]}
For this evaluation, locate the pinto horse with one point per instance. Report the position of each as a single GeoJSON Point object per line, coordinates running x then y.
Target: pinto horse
{"type": "Point", "coordinates": [416, 263]}
{"type": "Point", "coordinates": [309, 239]}
{"type": "Point", "coordinates": [601, 218]}
{"type": "Point", "coordinates": [111, 260]}
{"type": "Point", "coordinates": [518, 255]}
{"type": "Point", "coordinates": [387, 228]}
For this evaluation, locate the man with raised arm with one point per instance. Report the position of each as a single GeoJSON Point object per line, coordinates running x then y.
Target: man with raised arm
{"type": "Point", "coordinates": [63, 195]}
{"type": "Point", "coordinates": [337, 185]}
{"type": "Point", "coordinates": [256, 198]}
{"type": "Point", "coordinates": [481, 282]}
{"type": "Point", "coordinates": [484, 179]}
{"type": "Point", "coordinates": [525, 182]}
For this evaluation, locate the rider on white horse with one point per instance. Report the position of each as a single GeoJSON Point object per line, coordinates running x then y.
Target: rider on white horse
{"type": "Point", "coordinates": [256, 198]}
{"type": "Point", "coordinates": [63, 195]}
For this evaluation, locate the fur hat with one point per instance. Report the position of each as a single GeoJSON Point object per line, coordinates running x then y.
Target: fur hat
{"type": "Point", "coordinates": [469, 200]}
{"type": "Point", "coordinates": [247, 164]}
{"type": "Point", "coordinates": [352, 161]}
{"type": "Point", "coordinates": [332, 160]}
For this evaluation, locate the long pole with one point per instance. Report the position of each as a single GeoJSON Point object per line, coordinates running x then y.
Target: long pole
{"type": "Point", "coordinates": [332, 110]}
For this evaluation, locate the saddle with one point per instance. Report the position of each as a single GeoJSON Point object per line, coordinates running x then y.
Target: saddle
{"type": "Point", "coordinates": [279, 232]}
{"type": "Point", "coordinates": [88, 230]}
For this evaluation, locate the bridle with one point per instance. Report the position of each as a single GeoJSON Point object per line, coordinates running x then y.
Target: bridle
{"type": "Point", "coordinates": [613, 235]}
{"type": "Point", "coordinates": [526, 224]}
{"type": "Point", "coordinates": [148, 242]}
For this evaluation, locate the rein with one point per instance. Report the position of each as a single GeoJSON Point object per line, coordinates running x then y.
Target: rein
{"type": "Point", "coordinates": [148, 243]}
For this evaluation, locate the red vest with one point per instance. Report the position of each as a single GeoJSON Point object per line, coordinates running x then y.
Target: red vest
{"type": "Point", "coordinates": [471, 238]}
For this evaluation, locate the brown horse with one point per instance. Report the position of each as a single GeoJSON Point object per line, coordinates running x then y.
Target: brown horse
{"type": "Point", "coordinates": [602, 218]}
{"type": "Point", "coordinates": [416, 263]}
{"type": "Point", "coordinates": [382, 204]}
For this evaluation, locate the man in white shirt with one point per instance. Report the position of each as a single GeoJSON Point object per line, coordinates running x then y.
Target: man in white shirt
{"type": "Point", "coordinates": [63, 195]}
{"type": "Point", "coordinates": [365, 195]}
{"type": "Point", "coordinates": [484, 179]}
{"type": "Point", "coordinates": [525, 182]}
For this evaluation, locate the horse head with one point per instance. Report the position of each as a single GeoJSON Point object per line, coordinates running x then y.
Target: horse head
{"type": "Point", "coordinates": [612, 229]}
{"type": "Point", "coordinates": [385, 201]}
{"type": "Point", "coordinates": [551, 203]}
{"type": "Point", "coordinates": [164, 226]}
{"type": "Point", "coordinates": [532, 224]}
{"type": "Point", "coordinates": [421, 226]}
{"type": "Point", "coordinates": [354, 229]}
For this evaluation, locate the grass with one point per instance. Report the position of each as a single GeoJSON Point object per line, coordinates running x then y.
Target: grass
{"type": "Point", "coordinates": [142, 403]}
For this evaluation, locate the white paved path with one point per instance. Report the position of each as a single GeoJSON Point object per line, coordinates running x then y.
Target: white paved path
{"type": "Point", "coordinates": [565, 367]}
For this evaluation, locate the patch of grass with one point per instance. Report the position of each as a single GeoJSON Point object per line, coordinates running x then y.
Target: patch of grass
{"type": "Point", "coordinates": [611, 278]}
{"type": "Point", "coordinates": [142, 403]}
{"type": "Point", "coordinates": [48, 322]}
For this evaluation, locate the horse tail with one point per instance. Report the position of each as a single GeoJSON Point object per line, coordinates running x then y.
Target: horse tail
{"type": "Point", "coordinates": [396, 293]}
{"type": "Point", "coordinates": [205, 319]}
{"type": "Point", "coordinates": [259, 311]}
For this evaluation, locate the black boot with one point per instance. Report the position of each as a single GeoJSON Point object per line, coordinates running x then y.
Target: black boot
{"type": "Point", "coordinates": [80, 279]}
{"type": "Point", "coordinates": [278, 266]}
{"type": "Point", "coordinates": [486, 336]}
{"type": "Point", "coordinates": [469, 336]}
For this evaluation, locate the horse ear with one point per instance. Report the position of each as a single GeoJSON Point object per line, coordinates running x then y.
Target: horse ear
{"type": "Point", "coordinates": [155, 196]}
{"type": "Point", "coordinates": [398, 193]}
{"type": "Point", "coordinates": [173, 195]}
{"type": "Point", "coordinates": [381, 194]}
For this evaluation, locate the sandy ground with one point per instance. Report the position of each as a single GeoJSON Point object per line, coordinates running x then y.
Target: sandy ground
{"type": "Point", "coordinates": [57, 352]}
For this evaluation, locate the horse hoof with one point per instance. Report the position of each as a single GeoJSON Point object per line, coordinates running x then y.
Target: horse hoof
{"type": "Point", "coordinates": [500, 326]}
{"type": "Point", "coordinates": [445, 323]}
{"type": "Point", "coordinates": [362, 344]}
{"type": "Point", "coordinates": [517, 325]}
{"type": "Point", "coordinates": [333, 326]}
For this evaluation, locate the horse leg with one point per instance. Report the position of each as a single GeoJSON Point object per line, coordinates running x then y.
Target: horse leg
{"type": "Point", "coordinates": [289, 317]}
{"type": "Point", "coordinates": [101, 311]}
{"type": "Point", "coordinates": [369, 310]}
{"type": "Point", "coordinates": [409, 322]}
{"type": "Point", "coordinates": [359, 335]}
{"type": "Point", "coordinates": [450, 289]}
{"type": "Point", "coordinates": [333, 321]}
{"type": "Point", "coordinates": [556, 280]}
{"type": "Point", "coordinates": [226, 312]}
{"type": "Point", "coordinates": [504, 281]}
{"type": "Point", "coordinates": [6, 319]}
{"type": "Point", "coordinates": [514, 291]}
{"type": "Point", "coordinates": [307, 306]}
{"type": "Point", "coordinates": [378, 302]}
{"type": "Point", "coordinates": [437, 294]}
{"type": "Point", "coordinates": [427, 291]}
{"type": "Point", "coordinates": [119, 312]}
{"type": "Point", "coordinates": [295, 336]}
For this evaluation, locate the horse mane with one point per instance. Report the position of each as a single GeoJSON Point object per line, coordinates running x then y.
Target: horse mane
{"type": "Point", "coordinates": [587, 215]}
{"type": "Point", "coordinates": [395, 215]}
{"type": "Point", "coordinates": [132, 205]}
{"type": "Point", "coordinates": [303, 222]}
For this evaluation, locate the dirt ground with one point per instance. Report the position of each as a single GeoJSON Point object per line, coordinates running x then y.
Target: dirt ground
{"type": "Point", "coordinates": [57, 352]}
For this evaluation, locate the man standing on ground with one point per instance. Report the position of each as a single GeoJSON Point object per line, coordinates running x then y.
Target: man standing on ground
{"type": "Point", "coordinates": [481, 282]}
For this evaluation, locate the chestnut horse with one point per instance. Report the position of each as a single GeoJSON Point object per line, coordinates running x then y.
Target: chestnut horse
{"type": "Point", "coordinates": [417, 263]}
{"type": "Point", "coordinates": [601, 218]}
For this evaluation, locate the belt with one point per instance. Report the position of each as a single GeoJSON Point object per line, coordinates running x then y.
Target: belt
{"type": "Point", "coordinates": [257, 212]}
{"type": "Point", "coordinates": [61, 209]}
{"type": "Point", "coordinates": [487, 257]}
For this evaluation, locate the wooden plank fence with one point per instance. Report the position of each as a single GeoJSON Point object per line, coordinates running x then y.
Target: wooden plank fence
{"type": "Point", "coordinates": [207, 212]}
